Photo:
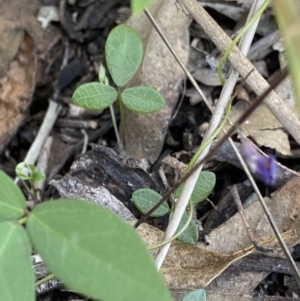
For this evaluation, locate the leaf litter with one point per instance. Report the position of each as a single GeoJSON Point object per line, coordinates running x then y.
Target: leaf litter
{"type": "Point", "coordinates": [186, 267]}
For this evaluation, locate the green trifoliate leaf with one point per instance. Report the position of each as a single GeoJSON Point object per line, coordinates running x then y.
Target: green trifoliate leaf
{"type": "Point", "coordinates": [143, 100]}
{"type": "Point", "coordinates": [95, 96]}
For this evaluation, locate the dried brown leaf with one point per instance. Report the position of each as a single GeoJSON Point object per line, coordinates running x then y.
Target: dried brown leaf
{"type": "Point", "coordinates": [187, 266]}
{"type": "Point", "coordinates": [263, 127]}
{"type": "Point", "coordinates": [16, 89]}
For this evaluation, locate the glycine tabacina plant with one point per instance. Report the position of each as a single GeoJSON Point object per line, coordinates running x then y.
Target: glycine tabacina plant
{"type": "Point", "coordinates": [124, 54]}
{"type": "Point", "coordinates": [89, 248]}
{"type": "Point", "coordinates": [145, 199]}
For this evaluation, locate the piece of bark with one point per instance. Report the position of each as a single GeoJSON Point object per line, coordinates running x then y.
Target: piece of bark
{"type": "Point", "coordinates": [101, 174]}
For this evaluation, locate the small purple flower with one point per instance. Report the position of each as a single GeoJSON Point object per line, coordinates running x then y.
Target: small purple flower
{"type": "Point", "coordinates": [263, 166]}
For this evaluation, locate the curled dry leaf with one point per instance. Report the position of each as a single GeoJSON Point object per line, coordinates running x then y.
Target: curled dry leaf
{"type": "Point", "coordinates": [145, 134]}
{"type": "Point", "coordinates": [16, 88]}
{"type": "Point", "coordinates": [186, 266]}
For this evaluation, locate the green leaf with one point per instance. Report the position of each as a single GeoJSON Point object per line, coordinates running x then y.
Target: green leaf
{"type": "Point", "coordinates": [16, 274]}
{"type": "Point", "coordinates": [29, 172]}
{"type": "Point", "coordinates": [145, 199]}
{"type": "Point", "coordinates": [198, 295]}
{"type": "Point", "coordinates": [142, 100]}
{"type": "Point", "coordinates": [94, 96]}
{"type": "Point", "coordinates": [94, 252]}
{"type": "Point", "coordinates": [137, 6]}
{"type": "Point", "coordinates": [12, 200]}
{"type": "Point", "coordinates": [203, 188]}
{"type": "Point", "coordinates": [191, 234]}
{"type": "Point", "coordinates": [37, 177]}
{"type": "Point", "coordinates": [124, 53]}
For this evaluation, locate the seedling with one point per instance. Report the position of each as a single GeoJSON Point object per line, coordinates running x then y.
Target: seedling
{"type": "Point", "coordinates": [124, 53]}
{"type": "Point", "coordinates": [28, 172]}
{"type": "Point", "coordinates": [146, 198]}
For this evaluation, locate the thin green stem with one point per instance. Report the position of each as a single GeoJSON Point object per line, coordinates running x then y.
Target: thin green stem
{"type": "Point", "coordinates": [113, 117]}
{"type": "Point", "coordinates": [237, 38]}
{"type": "Point", "coordinates": [122, 119]}
{"type": "Point", "coordinates": [178, 233]}
{"type": "Point", "coordinates": [22, 220]}
{"type": "Point", "coordinates": [44, 280]}
{"type": "Point", "coordinates": [28, 190]}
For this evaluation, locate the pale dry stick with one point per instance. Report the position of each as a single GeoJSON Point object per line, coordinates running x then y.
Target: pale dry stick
{"type": "Point", "coordinates": [224, 99]}
{"type": "Point", "coordinates": [85, 141]}
{"type": "Point", "coordinates": [46, 127]}
{"type": "Point", "coordinates": [243, 66]}
{"type": "Point", "coordinates": [80, 124]}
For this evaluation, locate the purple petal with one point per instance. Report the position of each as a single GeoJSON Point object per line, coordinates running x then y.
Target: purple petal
{"type": "Point", "coordinates": [264, 166]}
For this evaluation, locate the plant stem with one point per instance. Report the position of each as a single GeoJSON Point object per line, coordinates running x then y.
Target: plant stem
{"type": "Point", "coordinates": [30, 192]}
{"type": "Point", "coordinates": [45, 279]}
{"type": "Point", "coordinates": [122, 119]}
{"type": "Point", "coordinates": [238, 37]}
{"type": "Point", "coordinates": [113, 117]}
{"type": "Point", "coordinates": [22, 220]}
